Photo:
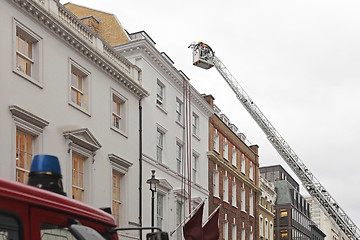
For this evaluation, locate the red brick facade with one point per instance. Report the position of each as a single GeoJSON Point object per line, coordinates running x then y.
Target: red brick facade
{"type": "Point", "coordinates": [223, 167]}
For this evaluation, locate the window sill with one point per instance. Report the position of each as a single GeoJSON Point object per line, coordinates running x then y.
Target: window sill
{"type": "Point", "coordinates": [196, 136]}
{"type": "Point", "coordinates": [119, 131]}
{"type": "Point", "coordinates": [161, 108]}
{"type": "Point", "coordinates": [180, 124]}
{"type": "Point", "coordinates": [30, 79]}
{"type": "Point", "coordinates": [80, 109]}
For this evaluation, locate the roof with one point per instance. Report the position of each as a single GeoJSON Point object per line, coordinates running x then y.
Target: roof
{"type": "Point", "coordinates": [107, 24]}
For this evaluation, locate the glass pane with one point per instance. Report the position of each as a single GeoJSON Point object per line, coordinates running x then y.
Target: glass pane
{"type": "Point", "coordinates": [9, 228]}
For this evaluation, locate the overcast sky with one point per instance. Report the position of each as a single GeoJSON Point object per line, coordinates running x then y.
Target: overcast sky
{"type": "Point", "coordinates": [298, 60]}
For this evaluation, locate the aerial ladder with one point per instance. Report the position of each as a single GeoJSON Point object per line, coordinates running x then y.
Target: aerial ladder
{"type": "Point", "coordinates": [204, 57]}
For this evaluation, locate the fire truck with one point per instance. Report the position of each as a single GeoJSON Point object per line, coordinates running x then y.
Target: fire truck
{"type": "Point", "coordinates": [41, 210]}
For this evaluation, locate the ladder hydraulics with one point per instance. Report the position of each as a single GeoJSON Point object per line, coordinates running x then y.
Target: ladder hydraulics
{"type": "Point", "coordinates": [204, 57]}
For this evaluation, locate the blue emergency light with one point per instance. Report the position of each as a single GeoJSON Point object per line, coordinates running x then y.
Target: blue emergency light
{"type": "Point", "coordinates": [45, 173]}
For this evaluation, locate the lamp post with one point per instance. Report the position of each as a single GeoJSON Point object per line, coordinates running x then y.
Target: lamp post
{"type": "Point", "coordinates": [152, 182]}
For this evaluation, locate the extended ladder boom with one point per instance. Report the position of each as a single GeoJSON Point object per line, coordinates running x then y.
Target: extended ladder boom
{"type": "Point", "coordinates": [204, 57]}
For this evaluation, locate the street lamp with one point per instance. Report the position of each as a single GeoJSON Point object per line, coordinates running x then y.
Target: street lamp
{"type": "Point", "coordinates": [152, 182]}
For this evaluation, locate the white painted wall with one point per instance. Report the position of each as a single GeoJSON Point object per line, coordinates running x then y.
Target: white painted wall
{"type": "Point", "coordinates": [155, 67]}
{"type": "Point", "coordinates": [51, 103]}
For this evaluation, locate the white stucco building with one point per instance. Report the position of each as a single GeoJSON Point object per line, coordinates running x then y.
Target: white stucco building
{"type": "Point", "coordinates": [65, 92]}
{"type": "Point", "coordinates": [175, 132]}
{"type": "Point", "coordinates": [323, 222]}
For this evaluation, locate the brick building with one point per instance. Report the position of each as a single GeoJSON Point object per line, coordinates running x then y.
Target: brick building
{"type": "Point", "coordinates": [233, 178]}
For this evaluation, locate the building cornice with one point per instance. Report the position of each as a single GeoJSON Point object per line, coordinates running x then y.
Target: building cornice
{"type": "Point", "coordinates": [161, 61]}
{"type": "Point", "coordinates": [66, 26]}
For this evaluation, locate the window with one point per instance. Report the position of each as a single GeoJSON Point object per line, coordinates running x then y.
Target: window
{"type": "Point", "coordinates": [283, 234]}
{"type": "Point", "coordinates": [118, 114]}
{"type": "Point", "coordinates": [195, 168]}
{"type": "Point", "coordinates": [24, 154]}
{"type": "Point", "coordinates": [243, 199]}
{"type": "Point", "coordinates": [10, 226]}
{"type": "Point", "coordinates": [242, 234]}
{"type": "Point", "coordinates": [225, 230]}
{"type": "Point", "coordinates": [79, 90]}
{"type": "Point", "coordinates": [243, 163]}
{"type": "Point", "coordinates": [216, 183]}
{"type": "Point", "coordinates": [28, 54]}
{"type": "Point", "coordinates": [261, 226]}
{"type": "Point", "coordinates": [160, 93]}
{"type": "Point", "coordinates": [266, 228]}
{"type": "Point", "coordinates": [233, 232]}
{"type": "Point", "coordinates": [159, 145]}
{"type": "Point", "coordinates": [225, 188]}
{"type": "Point", "coordinates": [216, 142]}
{"type": "Point", "coordinates": [233, 200]}
{"type": "Point", "coordinates": [251, 236]}
{"type": "Point", "coordinates": [78, 188]}
{"type": "Point", "coordinates": [283, 213]}
{"type": "Point", "coordinates": [160, 210]}
{"type": "Point", "coordinates": [179, 211]}
{"type": "Point", "coordinates": [251, 204]}
{"type": "Point", "coordinates": [119, 168]}
{"type": "Point", "coordinates": [27, 129]}
{"type": "Point", "coordinates": [179, 111]}
{"type": "Point", "coordinates": [233, 156]}
{"type": "Point", "coordinates": [116, 196]}
{"type": "Point", "coordinates": [225, 149]}
{"type": "Point", "coordinates": [179, 157]}
{"type": "Point", "coordinates": [195, 124]}
{"type": "Point", "coordinates": [271, 231]}
{"type": "Point", "coordinates": [82, 147]}
{"type": "Point", "coordinates": [251, 171]}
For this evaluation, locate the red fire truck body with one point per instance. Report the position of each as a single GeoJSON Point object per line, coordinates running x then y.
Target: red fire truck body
{"type": "Point", "coordinates": [28, 212]}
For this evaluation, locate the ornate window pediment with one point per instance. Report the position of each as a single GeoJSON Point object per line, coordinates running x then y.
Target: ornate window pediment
{"type": "Point", "coordinates": [84, 138]}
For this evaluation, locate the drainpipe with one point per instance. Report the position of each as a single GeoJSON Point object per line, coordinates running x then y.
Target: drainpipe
{"type": "Point", "coordinates": [140, 167]}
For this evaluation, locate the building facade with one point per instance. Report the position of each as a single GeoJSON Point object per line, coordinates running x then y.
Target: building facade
{"type": "Point", "coordinates": [292, 212]}
{"type": "Point", "coordinates": [65, 92]}
{"type": "Point", "coordinates": [175, 134]}
{"type": "Point", "coordinates": [323, 222]}
{"type": "Point", "coordinates": [266, 209]}
{"type": "Point", "coordinates": [233, 179]}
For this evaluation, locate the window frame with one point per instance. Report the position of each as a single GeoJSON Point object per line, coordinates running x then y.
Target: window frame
{"type": "Point", "coordinates": [195, 167]}
{"type": "Point", "coordinates": [86, 87]}
{"type": "Point", "coordinates": [179, 111]}
{"type": "Point", "coordinates": [226, 188]}
{"type": "Point", "coordinates": [233, 194]}
{"type": "Point", "coordinates": [216, 142]}
{"type": "Point", "coordinates": [251, 172]}
{"type": "Point", "coordinates": [243, 164]}
{"type": "Point", "coordinates": [234, 156]}
{"type": "Point", "coordinates": [160, 145]}
{"type": "Point", "coordinates": [216, 187]}
{"type": "Point", "coordinates": [225, 149]}
{"type": "Point", "coordinates": [161, 217]}
{"type": "Point", "coordinates": [120, 166]}
{"type": "Point", "coordinates": [30, 124]}
{"type": "Point", "coordinates": [243, 199]}
{"type": "Point", "coordinates": [123, 104]}
{"type": "Point", "coordinates": [179, 152]}
{"type": "Point", "coordinates": [195, 124]}
{"type": "Point", "coordinates": [160, 96]}
{"type": "Point", "coordinates": [36, 76]}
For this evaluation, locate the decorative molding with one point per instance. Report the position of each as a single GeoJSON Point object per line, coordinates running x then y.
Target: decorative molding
{"type": "Point", "coordinates": [28, 117]}
{"type": "Point", "coordinates": [176, 77]}
{"type": "Point", "coordinates": [119, 163]}
{"type": "Point", "coordinates": [84, 138]}
{"type": "Point", "coordinates": [74, 32]}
